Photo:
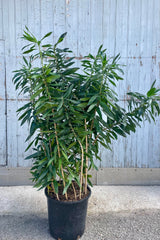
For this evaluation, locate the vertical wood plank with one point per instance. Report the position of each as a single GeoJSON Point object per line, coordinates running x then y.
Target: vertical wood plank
{"type": "Point", "coordinates": [154, 130]}
{"type": "Point", "coordinates": [12, 28]}
{"type": "Point", "coordinates": [3, 133]}
{"type": "Point", "coordinates": [47, 17]}
{"type": "Point", "coordinates": [3, 146]}
{"type": "Point", "coordinates": [59, 25]}
{"type": "Point", "coordinates": [119, 148]}
{"type": "Point", "coordinates": [37, 18]}
{"type": "Point", "coordinates": [154, 156]}
{"type": "Point", "coordinates": [134, 34]}
{"type": "Point", "coordinates": [24, 12]}
{"type": "Point", "coordinates": [121, 42]}
{"type": "Point", "coordinates": [22, 134]}
{"type": "Point", "coordinates": [5, 25]}
{"type": "Point", "coordinates": [18, 27]}
{"type": "Point", "coordinates": [16, 137]}
{"type": "Point", "coordinates": [96, 10]}
{"type": "Point", "coordinates": [72, 29]}
{"type": "Point", "coordinates": [2, 70]}
{"type": "Point", "coordinates": [1, 20]}
{"type": "Point", "coordinates": [109, 25]}
{"type": "Point", "coordinates": [84, 23]}
{"type": "Point", "coordinates": [12, 124]}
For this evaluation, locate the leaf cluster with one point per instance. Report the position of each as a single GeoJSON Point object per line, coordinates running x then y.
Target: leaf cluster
{"type": "Point", "coordinates": [71, 114]}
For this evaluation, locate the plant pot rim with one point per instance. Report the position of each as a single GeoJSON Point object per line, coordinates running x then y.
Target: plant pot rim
{"type": "Point", "coordinates": [68, 202]}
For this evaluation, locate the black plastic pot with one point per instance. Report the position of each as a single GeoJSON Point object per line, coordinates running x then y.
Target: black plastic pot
{"type": "Point", "coordinates": [67, 219]}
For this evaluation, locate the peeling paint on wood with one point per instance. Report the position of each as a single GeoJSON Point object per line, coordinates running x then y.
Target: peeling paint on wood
{"type": "Point", "coordinates": [128, 27]}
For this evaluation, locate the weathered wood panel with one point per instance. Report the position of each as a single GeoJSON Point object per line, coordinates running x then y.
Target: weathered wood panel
{"type": "Point", "coordinates": [3, 146]}
{"type": "Point", "coordinates": [16, 136]}
{"type": "Point", "coordinates": [128, 27]}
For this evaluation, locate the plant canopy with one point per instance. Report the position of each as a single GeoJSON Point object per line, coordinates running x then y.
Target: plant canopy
{"type": "Point", "coordinates": [72, 111]}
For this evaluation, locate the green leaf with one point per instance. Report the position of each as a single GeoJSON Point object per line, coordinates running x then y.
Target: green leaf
{"type": "Point", "coordinates": [66, 95]}
{"type": "Point", "coordinates": [59, 163]}
{"type": "Point", "coordinates": [119, 131]}
{"type": "Point", "coordinates": [99, 112]}
{"type": "Point", "coordinates": [33, 128]}
{"type": "Point", "coordinates": [37, 185]}
{"type": "Point", "coordinates": [90, 183]}
{"type": "Point", "coordinates": [91, 107]}
{"type": "Point", "coordinates": [116, 58]}
{"type": "Point", "coordinates": [26, 118]}
{"type": "Point", "coordinates": [66, 187]}
{"type": "Point", "coordinates": [43, 174]}
{"type": "Point", "coordinates": [55, 186]}
{"type": "Point", "coordinates": [151, 92]}
{"type": "Point", "coordinates": [36, 94]}
{"type": "Point", "coordinates": [46, 45]}
{"type": "Point", "coordinates": [53, 169]}
{"type": "Point", "coordinates": [153, 84]}
{"type": "Point", "coordinates": [107, 110]}
{"type": "Point", "coordinates": [84, 99]}
{"type": "Point", "coordinates": [23, 115]}
{"type": "Point", "coordinates": [26, 46]}
{"type": "Point", "coordinates": [92, 99]}
{"type": "Point", "coordinates": [28, 37]}
{"type": "Point", "coordinates": [25, 60]}
{"type": "Point", "coordinates": [71, 145]}
{"type": "Point", "coordinates": [104, 145]}
{"type": "Point", "coordinates": [60, 105]}
{"type": "Point", "coordinates": [34, 155]}
{"type": "Point", "coordinates": [47, 35]}
{"type": "Point", "coordinates": [65, 156]}
{"type": "Point", "coordinates": [28, 51]}
{"type": "Point", "coordinates": [52, 77]}
{"type": "Point", "coordinates": [61, 37]}
{"type": "Point", "coordinates": [41, 162]}
{"type": "Point", "coordinates": [91, 56]}
{"type": "Point", "coordinates": [46, 146]}
{"type": "Point", "coordinates": [70, 71]}
{"type": "Point", "coordinates": [82, 105]}
{"type": "Point", "coordinates": [29, 146]}
{"type": "Point", "coordinates": [100, 48]}
{"type": "Point", "coordinates": [50, 161]}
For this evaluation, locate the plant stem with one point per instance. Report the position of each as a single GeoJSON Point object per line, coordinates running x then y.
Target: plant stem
{"type": "Point", "coordinates": [52, 165]}
{"type": "Point", "coordinates": [82, 160]}
{"type": "Point", "coordinates": [96, 139]}
{"type": "Point", "coordinates": [54, 191]}
{"type": "Point", "coordinates": [43, 143]}
{"type": "Point", "coordinates": [59, 155]}
{"type": "Point", "coordinates": [75, 195]}
{"type": "Point", "coordinates": [81, 174]}
{"type": "Point", "coordinates": [92, 123]}
{"type": "Point", "coordinates": [86, 172]}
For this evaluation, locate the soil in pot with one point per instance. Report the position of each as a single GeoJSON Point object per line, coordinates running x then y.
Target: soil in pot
{"type": "Point", "coordinates": [70, 192]}
{"type": "Point", "coordinates": [67, 218]}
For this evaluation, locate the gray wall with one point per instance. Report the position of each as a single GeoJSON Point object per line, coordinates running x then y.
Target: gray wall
{"type": "Point", "coordinates": [128, 27]}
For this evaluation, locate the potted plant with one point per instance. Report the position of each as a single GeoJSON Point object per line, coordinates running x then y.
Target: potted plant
{"type": "Point", "coordinates": [65, 112]}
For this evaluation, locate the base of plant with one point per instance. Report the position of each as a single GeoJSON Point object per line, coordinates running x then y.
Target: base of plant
{"type": "Point", "coordinates": [73, 194]}
{"type": "Point", "coordinates": [67, 218]}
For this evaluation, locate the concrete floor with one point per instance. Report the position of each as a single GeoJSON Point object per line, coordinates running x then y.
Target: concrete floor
{"type": "Point", "coordinates": [114, 212]}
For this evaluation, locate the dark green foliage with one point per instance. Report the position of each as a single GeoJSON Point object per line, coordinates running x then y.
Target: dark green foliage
{"type": "Point", "coordinates": [66, 110]}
